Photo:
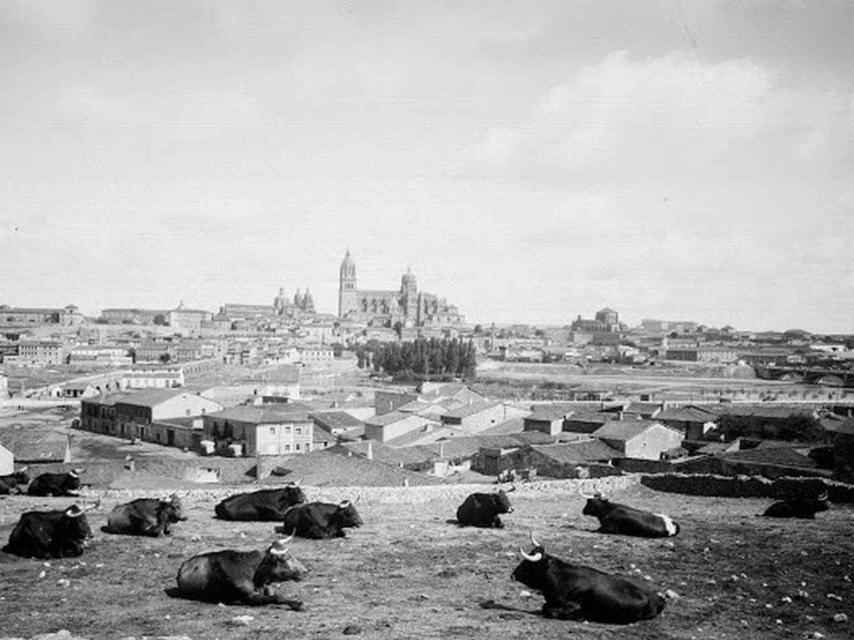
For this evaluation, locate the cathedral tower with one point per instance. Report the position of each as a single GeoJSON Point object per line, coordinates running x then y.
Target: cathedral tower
{"type": "Point", "coordinates": [347, 299]}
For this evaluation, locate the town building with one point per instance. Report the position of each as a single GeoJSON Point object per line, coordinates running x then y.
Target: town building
{"type": "Point", "coordinates": [260, 430]}
{"type": "Point", "coordinates": [644, 439]}
{"type": "Point", "coordinates": [407, 305]}
{"type": "Point", "coordinates": [39, 353]}
{"type": "Point", "coordinates": [129, 414]}
{"type": "Point", "coordinates": [68, 316]}
{"type": "Point", "coordinates": [186, 321]}
{"type": "Point", "coordinates": [134, 316]}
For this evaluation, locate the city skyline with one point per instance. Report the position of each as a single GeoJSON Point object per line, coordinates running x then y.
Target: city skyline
{"type": "Point", "coordinates": [529, 161]}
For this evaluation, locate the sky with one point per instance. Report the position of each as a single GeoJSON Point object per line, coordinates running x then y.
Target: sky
{"type": "Point", "coordinates": [530, 161]}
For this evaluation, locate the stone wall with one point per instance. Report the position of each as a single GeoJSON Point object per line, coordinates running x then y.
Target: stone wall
{"type": "Point", "coordinates": [748, 486]}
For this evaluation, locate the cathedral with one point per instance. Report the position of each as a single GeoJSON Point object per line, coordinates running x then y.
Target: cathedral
{"type": "Point", "coordinates": [410, 307]}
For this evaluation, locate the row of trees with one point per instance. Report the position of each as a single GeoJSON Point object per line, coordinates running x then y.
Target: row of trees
{"type": "Point", "coordinates": [420, 359]}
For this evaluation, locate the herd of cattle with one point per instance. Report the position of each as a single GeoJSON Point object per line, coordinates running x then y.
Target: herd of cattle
{"type": "Point", "coordinates": [571, 591]}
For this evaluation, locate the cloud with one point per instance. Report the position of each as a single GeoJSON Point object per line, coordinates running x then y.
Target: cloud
{"type": "Point", "coordinates": [670, 116]}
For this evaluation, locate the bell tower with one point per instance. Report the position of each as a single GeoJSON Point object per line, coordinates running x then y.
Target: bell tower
{"type": "Point", "coordinates": [347, 298]}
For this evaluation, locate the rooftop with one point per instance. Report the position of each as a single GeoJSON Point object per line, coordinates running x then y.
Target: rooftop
{"type": "Point", "coordinates": [625, 429]}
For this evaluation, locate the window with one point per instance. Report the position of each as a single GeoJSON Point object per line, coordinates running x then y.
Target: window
{"type": "Point", "coordinates": [287, 447]}
{"type": "Point", "coordinates": [272, 430]}
{"type": "Point", "coordinates": [297, 446]}
{"type": "Point", "coordinates": [298, 431]}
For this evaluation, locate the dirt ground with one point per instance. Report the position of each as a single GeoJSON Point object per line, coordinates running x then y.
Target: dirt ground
{"type": "Point", "coordinates": [410, 573]}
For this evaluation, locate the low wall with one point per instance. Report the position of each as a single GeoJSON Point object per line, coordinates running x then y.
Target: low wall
{"type": "Point", "coordinates": [748, 486]}
{"type": "Point", "coordinates": [408, 495]}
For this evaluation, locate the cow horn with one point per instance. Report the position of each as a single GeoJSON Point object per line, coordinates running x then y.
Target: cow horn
{"type": "Point", "coordinates": [24, 468]}
{"type": "Point", "coordinates": [73, 511]}
{"type": "Point", "coordinates": [534, 540]}
{"type": "Point", "coordinates": [822, 496]}
{"type": "Point", "coordinates": [358, 497]}
{"type": "Point", "coordinates": [94, 505]}
{"type": "Point", "coordinates": [531, 558]}
{"type": "Point", "coordinates": [587, 496]}
{"type": "Point", "coordinates": [344, 504]}
{"type": "Point", "coordinates": [279, 547]}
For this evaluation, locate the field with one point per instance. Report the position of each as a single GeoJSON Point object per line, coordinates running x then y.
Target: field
{"type": "Point", "coordinates": [409, 573]}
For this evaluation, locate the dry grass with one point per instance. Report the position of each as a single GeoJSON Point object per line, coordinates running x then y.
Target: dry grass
{"type": "Point", "coordinates": [409, 573]}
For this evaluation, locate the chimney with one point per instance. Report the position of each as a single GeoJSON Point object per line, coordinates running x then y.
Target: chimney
{"type": "Point", "coordinates": [370, 453]}
{"type": "Point", "coordinates": [441, 449]}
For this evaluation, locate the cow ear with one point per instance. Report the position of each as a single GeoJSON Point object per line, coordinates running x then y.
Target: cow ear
{"type": "Point", "coordinates": [344, 504]}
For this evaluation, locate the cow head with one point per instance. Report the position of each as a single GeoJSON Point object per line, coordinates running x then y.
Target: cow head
{"type": "Point", "coordinates": [596, 504]}
{"type": "Point", "coordinates": [502, 502]}
{"type": "Point", "coordinates": [172, 510]}
{"type": "Point", "coordinates": [347, 516]}
{"type": "Point", "coordinates": [72, 479]}
{"type": "Point", "coordinates": [532, 571]}
{"type": "Point", "coordinates": [293, 494]}
{"type": "Point", "coordinates": [75, 532]}
{"type": "Point", "coordinates": [820, 503]}
{"type": "Point", "coordinates": [278, 565]}
{"type": "Point", "coordinates": [21, 476]}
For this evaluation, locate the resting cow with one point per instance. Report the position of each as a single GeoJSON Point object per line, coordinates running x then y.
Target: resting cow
{"type": "Point", "coordinates": [483, 509]}
{"type": "Point", "coordinates": [805, 508]}
{"type": "Point", "coordinates": [240, 577]}
{"type": "Point", "coordinates": [618, 518]}
{"type": "Point", "coordinates": [145, 517]}
{"type": "Point", "coordinates": [50, 534]}
{"type": "Point", "coordinates": [264, 505]}
{"type": "Point", "coordinates": [577, 592]}
{"type": "Point", "coordinates": [320, 519]}
{"type": "Point", "coordinates": [56, 484]}
{"type": "Point", "coordinates": [12, 483]}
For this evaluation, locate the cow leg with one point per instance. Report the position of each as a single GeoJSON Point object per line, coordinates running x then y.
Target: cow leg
{"type": "Point", "coordinates": [497, 524]}
{"type": "Point", "coordinates": [566, 611]}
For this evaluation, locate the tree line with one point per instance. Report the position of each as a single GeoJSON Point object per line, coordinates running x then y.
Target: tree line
{"type": "Point", "coordinates": [419, 359]}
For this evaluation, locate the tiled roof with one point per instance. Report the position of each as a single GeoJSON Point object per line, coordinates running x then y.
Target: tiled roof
{"type": "Point", "coordinates": [325, 468]}
{"type": "Point", "coordinates": [385, 419]}
{"type": "Point", "coordinates": [689, 413]}
{"type": "Point", "coordinates": [549, 412]}
{"type": "Point", "coordinates": [783, 456]}
{"type": "Point", "coordinates": [579, 451]}
{"type": "Point", "coordinates": [470, 409]}
{"type": "Point", "coordinates": [263, 414]}
{"type": "Point", "coordinates": [336, 420]}
{"type": "Point", "coordinates": [624, 429]}
{"type": "Point", "coordinates": [285, 374]}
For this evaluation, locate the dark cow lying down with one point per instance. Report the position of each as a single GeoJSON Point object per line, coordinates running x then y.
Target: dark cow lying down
{"type": "Point", "coordinates": [483, 509]}
{"type": "Point", "coordinates": [56, 484]}
{"type": "Point", "coordinates": [320, 519]}
{"type": "Point", "coordinates": [618, 518]}
{"type": "Point", "coordinates": [240, 577]}
{"type": "Point", "coordinates": [798, 507]}
{"type": "Point", "coordinates": [50, 534]}
{"type": "Point", "coordinates": [145, 517]}
{"type": "Point", "coordinates": [577, 592]}
{"type": "Point", "coordinates": [264, 505]}
{"type": "Point", "coordinates": [13, 482]}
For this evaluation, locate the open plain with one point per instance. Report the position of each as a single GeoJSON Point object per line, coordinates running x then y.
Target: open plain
{"type": "Point", "coordinates": [409, 572]}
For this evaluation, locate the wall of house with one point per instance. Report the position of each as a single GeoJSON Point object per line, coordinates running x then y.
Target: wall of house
{"type": "Point", "coordinates": [396, 429]}
{"type": "Point", "coordinates": [184, 405]}
{"type": "Point", "coordinates": [650, 444]}
{"type": "Point", "coordinates": [7, 461]}
{"type": "Point", "coordinates": [491, 417]}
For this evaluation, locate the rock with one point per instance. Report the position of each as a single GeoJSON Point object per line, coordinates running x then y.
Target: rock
{"type": "Point", "coordinates": [352, 630]}
{"type": "Point", "coordinates": [525, 594]}
{"type": "Point", "coordinates": [62, 634]}
{"type": "Point", "coordinates": [833, 596]}
{"type": "Point", "coordinates": [840, 617]}
{"type": "Point", "coordinates": [817, 635]}
{"type": "Point", "coordinates": [785, 599]}
{"type": "Point", "coordinates": [241, 620]}
{"type": "Point", "coordinates": [63, 582]}
{"type": "Point", "coordinates": [670, 594]}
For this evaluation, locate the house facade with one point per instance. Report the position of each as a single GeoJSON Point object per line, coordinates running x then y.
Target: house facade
{"type": "Point", "coordinates": [643, 439]}
{"type": "Point", "coordinates": [259, 430]}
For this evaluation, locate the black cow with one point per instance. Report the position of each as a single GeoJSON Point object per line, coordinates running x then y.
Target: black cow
{"type": "Point", "coordinates": [240, 577]}
{"type": "Point", "coordinates": [628, 521]}
{"type": "Point", "coordinates": [12, 482]}
{"type": "Point", "coordinates": [577, 592]}
{"type": "Point", "coordinates": [145, 517]}
{"type": "Point", "coordinates": [56, 484]}
{"type": "Point", "coordinates": [265, 505]}
{"type": "Point", "coordinates": [798, 507]}
{"type": "Point", "coordinates": [320, 519]}
{"type": "Point", "coordinates": [50, 534]}
{"type": "Point", "coordinates": [482, 510]}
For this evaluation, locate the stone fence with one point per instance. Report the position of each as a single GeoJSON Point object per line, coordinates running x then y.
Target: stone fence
{"type": "Point", "coordinates": [748, 486]}
{"type": "Point", "coordinates": [381, 495]}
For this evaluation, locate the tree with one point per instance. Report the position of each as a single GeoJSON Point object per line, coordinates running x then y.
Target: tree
{"type": "Point", "coordinates": [165, 357]}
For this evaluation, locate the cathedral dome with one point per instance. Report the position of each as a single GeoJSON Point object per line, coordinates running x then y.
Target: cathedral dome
{"type": "Point", "coordinates": [408, 282]}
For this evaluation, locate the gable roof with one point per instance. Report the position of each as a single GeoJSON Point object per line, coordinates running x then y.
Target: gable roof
{"type": "Point", "coordinates": [263, 414]}
{"type": "Point", "coordinates": [688, 413]}
{"type": "Point", "coordinates": [470, 409]}
{"type": "Point", "coordinates": [336, 420]}
{"type": "Point", "coordinates": [548, 412]}
{"type": "Point", "coordinates": [627, 429]}
{"type": "Point", "coordinates": [385, 419]}
{"type": "Point", "coordinates": [590, 450]}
